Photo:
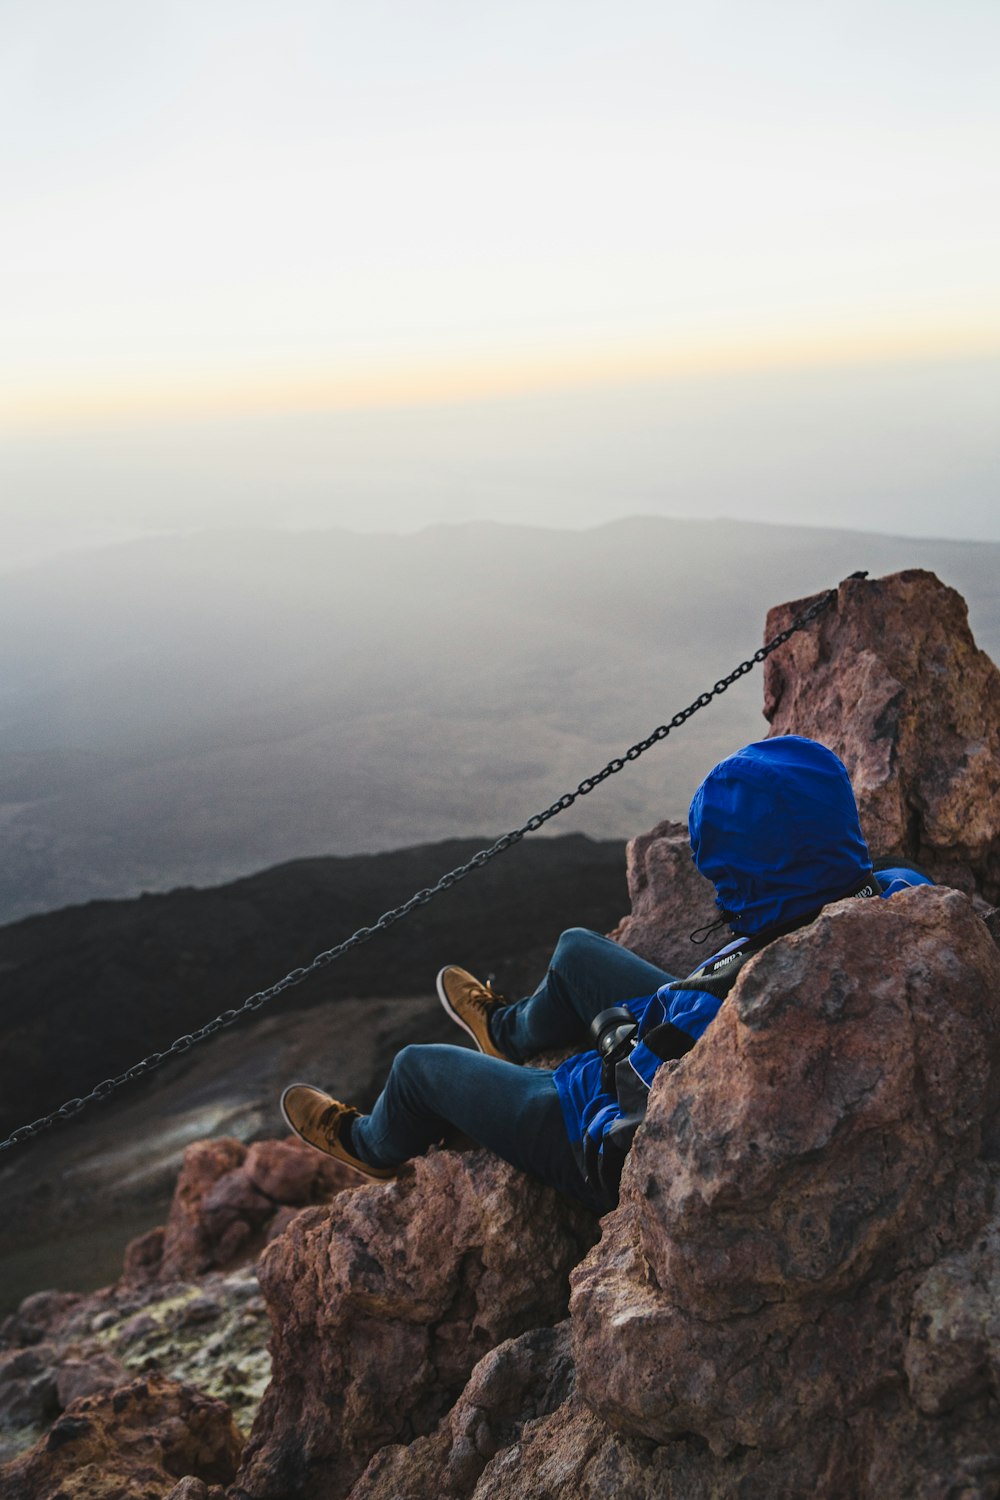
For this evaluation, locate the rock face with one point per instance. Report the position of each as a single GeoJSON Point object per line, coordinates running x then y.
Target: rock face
{"type": "Point", "coordinates": [382, 1304]}
{"type": "Point", "coordinates": [518, 1383]}
{"type": "Point", "coordinates": [669, 898]}
{"type": "Point", "coordinates": [804, 1211]}
{"type": "Point", "coordinates": [227, 1199]}
{"type": "Point", "coordinates": [137, 1441]}
{"type": "Point", "coordinates": [891, 679]}
{"type": "Point", "coordinates": [209, 1335]}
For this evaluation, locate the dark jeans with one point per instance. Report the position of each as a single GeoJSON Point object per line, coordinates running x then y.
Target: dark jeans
{"type": "Point", "coordinates": [512, 1110]}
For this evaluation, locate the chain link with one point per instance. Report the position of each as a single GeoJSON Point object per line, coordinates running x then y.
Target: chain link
{"type": "Point", "coordinates": [184, 1043]}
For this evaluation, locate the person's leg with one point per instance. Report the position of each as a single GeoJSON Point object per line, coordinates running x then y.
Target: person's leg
{"type": "Point", "coordinates": [587, 973]}
{"type": "Point", "coordinates": [513, 1111]}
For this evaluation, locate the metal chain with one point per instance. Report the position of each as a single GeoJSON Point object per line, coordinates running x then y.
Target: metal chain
{"type": "Point", "coordinates": [388, 919]}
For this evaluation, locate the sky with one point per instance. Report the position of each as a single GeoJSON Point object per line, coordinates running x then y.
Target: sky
{"type": "Point", "coordinates": [385, 265]}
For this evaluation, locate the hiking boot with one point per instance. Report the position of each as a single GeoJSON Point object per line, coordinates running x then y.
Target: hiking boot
{"type": "Point", "coordinates": [319, 1121]}
{"type": "Point", "coordinates": [470, 1003]}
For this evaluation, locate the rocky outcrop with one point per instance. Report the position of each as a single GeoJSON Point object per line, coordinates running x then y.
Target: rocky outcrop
{"type": "Point", "coordinates": [669, 899]}
{"type": "Point", "coordinates": [799, 1292]}
{"type": "Point", "coordinates": [799, 1178]}
{"type": "Point", "coordinates": [382, 1304]}
{"type": "Point", "coordinates": [519, 1382]}
{"type": "Point", "coordinates": [228, 1200]}
{"type": "Point", "coordinates": [174, 1314]}
{"type": "Point", "coordinates": [209, 1334]}
{"type": "Point", "coordinates": [891, 679]}
{"type": "Point", "coordinates": [130, 1444]}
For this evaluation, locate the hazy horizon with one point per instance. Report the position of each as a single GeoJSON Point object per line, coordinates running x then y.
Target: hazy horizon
{"type": "Point", "coordinates": [900, 448]}
{"type": "Point", "coordinates": [49, 551]}
{"type": "Point", "coordinates": [384, 267]}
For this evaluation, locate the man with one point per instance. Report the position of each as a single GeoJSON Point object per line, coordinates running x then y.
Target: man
{"type": "Point", "coordinates": [775, 828]}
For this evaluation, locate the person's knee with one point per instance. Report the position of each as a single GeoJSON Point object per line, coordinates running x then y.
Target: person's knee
{"type": "Point", "coordinates": [410, 1061]}
{"type": "Point", "coordinates": [417, 1070]}
{"type": "Point", "coordinates": [572, 943]}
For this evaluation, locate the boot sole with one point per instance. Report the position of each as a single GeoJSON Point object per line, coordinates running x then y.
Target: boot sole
{"type": "Point", "coordinates": [453, 1013]}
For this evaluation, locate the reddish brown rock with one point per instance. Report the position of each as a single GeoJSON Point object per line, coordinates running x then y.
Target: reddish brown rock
{"type": "Point", "coordinates": [891, 679]}
{"type": "Point", "coordinates": [143, 1258]}
{"type": "Point", "coordinates": [194, 1489]}
{"type": "Point", "coordinates": [383, 1302]}
{"type": "Point", "coordinates": [953, 1350]}
{"type": "Point", "coordinates": [134, 1443]}
{"type": "Point", "coordinates": [28, 1396]}
{"type": "Point", "coordinates": [519, 1381]}
{"type": "Point", "coordinates": [669, 900]}
{"type": "Point", "coordinates": [187, 1242]}
{"type": "Point", "coordinates": [37, 1317]}
{"type": "Point", "coordinates": [76, 1377]}
{"type": "Point", "coordinates": [992, 920]}
{"type": "Point", "coordinates": [226, 1203]}
{"type": "Point", "coordinates": [798, 1175]}
{"type": "Point", "coordinates": [280, 1223]}
{"type": "Point", "coordinates": [573, 1453]}
{"type": "Point", "coordinates": [291, 1173]}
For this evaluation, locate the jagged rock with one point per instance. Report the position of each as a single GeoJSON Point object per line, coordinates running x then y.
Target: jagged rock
{"type": "Point", "coordinates": [36, 1316]}
{"type": "Point", "coordinates": [210, 1334]}
{"type": "Point", "coordinates": [892, 681]}
{"type": "Point", "coordinates": [76, 1377]}
{"type": "Point", "coordinates": [293, 1174]}
{"type": "Point", "coordinates": [187, 1240]}
{"type": "Point", "coordinates": [280, 1223]}
{"type": "Point", "coordinates": [382, 1303]}
{"type": "Point", "coordinates": [28, 1395]}
{"type": "Point", "coordinates": [992, 920]}
{"type": "Point", "coordinates": [189, 1488]}
{"type": "Point", "coordinates": [194, 1489]}
{"type": "Point", "coordinates": [225, 1204]}
{"type": "Point", "coordinates": [143, 1257]}
{"type": "Point", "coordinates": [953, 1351]}
{"type": "Point", "coordinates": [136, 1442]}
{"type": "Point", "coordinates": [798, 1175]}
{"type": "Point", "coordinates": [573, 1453]}
{"type": "Point", "coordinates": [519, 1381]}
{"type": "Point", "coordinates": [669, 899]}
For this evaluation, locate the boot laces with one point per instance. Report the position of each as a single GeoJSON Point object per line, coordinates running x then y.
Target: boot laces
{"type": "Point", "coordinates": [483, 997]}
{"type": "Point", "coordinates": [329, 1122]}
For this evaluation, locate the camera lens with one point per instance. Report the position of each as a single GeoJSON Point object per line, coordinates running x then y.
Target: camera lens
{"type": "Point", "coordinates": [612, 1029]}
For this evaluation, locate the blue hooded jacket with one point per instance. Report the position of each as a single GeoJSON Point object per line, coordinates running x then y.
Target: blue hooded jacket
{"type": "Point", "coordinates": [775, 828]}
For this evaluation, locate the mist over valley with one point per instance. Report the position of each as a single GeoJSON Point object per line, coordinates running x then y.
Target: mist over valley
{"type": "Point", "coordinates": [187, 710]}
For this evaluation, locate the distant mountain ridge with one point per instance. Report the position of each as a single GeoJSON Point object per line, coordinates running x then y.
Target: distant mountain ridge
{"type": "Point", "coordinates": [88, 991]}
{"type": "Point", "coordinates": [187, 710]}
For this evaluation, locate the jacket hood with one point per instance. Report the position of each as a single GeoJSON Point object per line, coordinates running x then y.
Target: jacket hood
{"type": "Point", "coordinates": [775, 828]}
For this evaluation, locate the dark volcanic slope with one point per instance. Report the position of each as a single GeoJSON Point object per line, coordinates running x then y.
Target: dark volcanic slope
{"type": "Point", "coordinates": [89, 990]}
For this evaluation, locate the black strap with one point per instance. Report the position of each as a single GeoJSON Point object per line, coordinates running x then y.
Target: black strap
{"type": "Point", "coordinates": [668, 1041]}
